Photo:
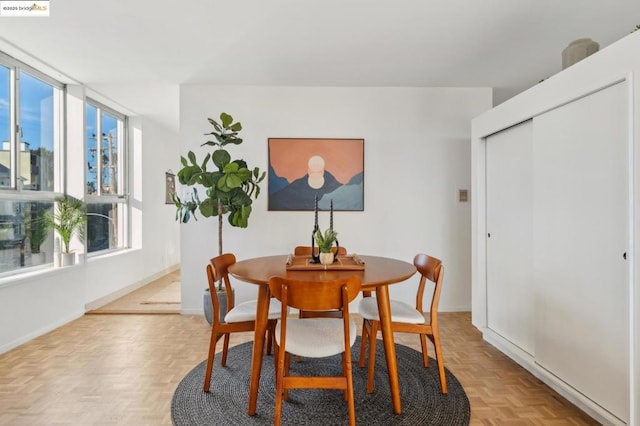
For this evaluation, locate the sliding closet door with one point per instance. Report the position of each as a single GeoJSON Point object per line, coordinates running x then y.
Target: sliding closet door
{"type": "Point", "coordinates": [509, 234]}
{"type": "Point", "coordinates": [581, 237]}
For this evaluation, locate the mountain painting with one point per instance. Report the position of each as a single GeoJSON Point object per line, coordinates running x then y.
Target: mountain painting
{"type": "Point", "coordinates": [301, 169]}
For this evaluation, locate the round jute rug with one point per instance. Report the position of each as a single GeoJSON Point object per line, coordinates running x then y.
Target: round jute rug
{"type": "Point", "coordinates": [227, 401]}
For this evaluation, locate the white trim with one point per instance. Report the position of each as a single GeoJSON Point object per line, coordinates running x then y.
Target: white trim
{"type": "Point", "coordinates": [37, 333]}
{"type": "Point", "coordinates": [634, 363]}
{"type": "Point", "coordinates": [527, 362]}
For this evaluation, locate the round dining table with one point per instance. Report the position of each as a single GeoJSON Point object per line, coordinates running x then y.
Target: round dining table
{"type": "Point", "coordinates": [376, 276]}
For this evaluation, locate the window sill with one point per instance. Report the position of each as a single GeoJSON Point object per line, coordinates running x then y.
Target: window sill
{"type": "Point", "coordinates": [107, 254]}
{"type": "Point", "coordinates": [44, 271]}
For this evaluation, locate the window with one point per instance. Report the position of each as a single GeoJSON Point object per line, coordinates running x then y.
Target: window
{"type": "Point", "coordinates": [37, 130]}
{"type": "Point", "coordinates": [30, 173]}
{"type": "Point", "coordinates": [5, 132]}
{"type": "Point", "coordinates": [106, 198]}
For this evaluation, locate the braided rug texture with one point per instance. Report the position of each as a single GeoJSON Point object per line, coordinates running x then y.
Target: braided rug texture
{"type": "Point", "coordinates": [227, 401]}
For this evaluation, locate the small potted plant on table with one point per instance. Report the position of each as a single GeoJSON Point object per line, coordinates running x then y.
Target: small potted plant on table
{"type": "Point", "coordinates": [325, 242]}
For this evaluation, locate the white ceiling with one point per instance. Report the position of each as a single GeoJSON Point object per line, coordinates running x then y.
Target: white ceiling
{"type": "Point", "coordinates": [506, 44]}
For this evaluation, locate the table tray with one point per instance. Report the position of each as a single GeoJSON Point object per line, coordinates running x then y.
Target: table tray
{"type": "Point", "coordinates": [351, 262]}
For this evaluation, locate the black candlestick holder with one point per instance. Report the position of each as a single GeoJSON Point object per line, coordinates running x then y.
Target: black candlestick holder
{"type": "Point", "coordinates": [315, 258]}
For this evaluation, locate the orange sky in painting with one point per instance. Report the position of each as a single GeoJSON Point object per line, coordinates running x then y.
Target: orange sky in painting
{"type": "Point", "coordinates": [343, 158]}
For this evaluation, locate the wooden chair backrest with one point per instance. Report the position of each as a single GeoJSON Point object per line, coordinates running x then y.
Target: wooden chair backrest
{"type": "Point", "coordinates": [430, 269]}
{"type": "Point", "coordinates": [315, 295]}
{"type": "Point", "coordinates": [211, 276]}
{"type": "Point", "coordinates": [218, 269]}
{"type": "Point", "coordinates": [306, 251]}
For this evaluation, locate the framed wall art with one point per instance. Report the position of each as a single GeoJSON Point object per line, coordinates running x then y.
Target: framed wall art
{"type": "Point", "coordinates": [301, 169]}
{"type": "Point", "coordinates": [169, 187]}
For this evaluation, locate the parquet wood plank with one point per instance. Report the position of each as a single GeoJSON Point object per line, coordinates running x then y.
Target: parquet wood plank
{"type": "Point", "coordinates": [123, 370]}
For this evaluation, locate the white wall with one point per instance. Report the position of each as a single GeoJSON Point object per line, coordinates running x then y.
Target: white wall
{"type": "Point", "coordinates": [35, 304]}
{"type": "Point", "coordinates": [417, 156]}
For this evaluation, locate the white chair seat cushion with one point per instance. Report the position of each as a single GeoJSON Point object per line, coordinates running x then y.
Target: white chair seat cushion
{"type": "Point", "coordinates": [316, 337]}
{"type": "Point", "coordinates": [246, 311]}
{"type": "Point", "coordinates": [400, 311]}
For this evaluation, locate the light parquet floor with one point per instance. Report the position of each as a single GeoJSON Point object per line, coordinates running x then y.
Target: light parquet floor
{"type": "Point", "coordinates": [136, 301]}
{"type": "Point", "coordinates": [123, 370]}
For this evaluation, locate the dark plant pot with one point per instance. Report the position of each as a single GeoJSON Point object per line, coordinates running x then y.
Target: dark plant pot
{"type": "Point", "coordinates": [208, 307]}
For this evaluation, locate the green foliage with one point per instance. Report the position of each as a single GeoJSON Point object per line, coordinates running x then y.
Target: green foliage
{"type": "Point", "coordinates": [68, 219]}
{"type": "Point", "coordinates": [186, 209]}
{"type": "Point", "coordinates": [227, 181]}
{"type": "Point", "coordinates": [636, 28]}
{"type": "Point", "coordinates": [326, 241]}
{"type": "Point", "coordinates": [38, 228]}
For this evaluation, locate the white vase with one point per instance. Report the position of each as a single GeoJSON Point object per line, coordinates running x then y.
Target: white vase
{"type": "Point", "coordinates": [326, 258]}
{"type": "Point", "coordinates": [577, 50]}
{"type": "Point", "coordinates": [38, 258]}
{"type": "Point", "coordinates": [67, 259]}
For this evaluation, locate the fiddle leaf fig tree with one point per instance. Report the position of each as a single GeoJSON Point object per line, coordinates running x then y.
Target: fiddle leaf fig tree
{"type": "Point", "coordinates": [230, 184]}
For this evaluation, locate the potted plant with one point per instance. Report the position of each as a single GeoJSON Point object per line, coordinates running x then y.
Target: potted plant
{"type": "Point", "coordinates": [68, 219]}
{"type": "Point", "coordinates": [325, 242]}
{"type": "Point", "coordinates": [230, 186]}
{"type": "Point", "coordinates": [38, 231]}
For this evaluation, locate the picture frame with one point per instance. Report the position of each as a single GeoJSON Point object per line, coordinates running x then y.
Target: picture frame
{"type": "Point", "coordinates": [301, 169]}
{"type": "Point", "coordinates": [170, 187]}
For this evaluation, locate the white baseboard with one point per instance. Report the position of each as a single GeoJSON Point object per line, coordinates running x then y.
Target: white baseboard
{"type": "Point", "coordinates": [50, 327]}
{"type": "Point", "coordinates": [527, 361]}
{"type": "Point", "coordinates": [192, 312]}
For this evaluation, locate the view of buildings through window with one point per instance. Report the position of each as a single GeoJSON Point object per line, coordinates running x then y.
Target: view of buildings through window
{"type": "Point", "coordinates": [5, 117]}
{"type": "Point", "coordinates": [106, 202]}
{"type": "Point", "coordinates": [34, 133]}
{"type": "Point", "coordinates": [31, 122]}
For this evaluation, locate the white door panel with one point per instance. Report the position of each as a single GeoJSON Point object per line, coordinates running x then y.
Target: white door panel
{"type": "Point", "coordinates": [580, 234]}
{"type": "Point", "coordinates": [509, 165]}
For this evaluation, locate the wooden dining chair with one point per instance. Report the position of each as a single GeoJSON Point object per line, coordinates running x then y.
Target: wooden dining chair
{"type": "Point", "coordinates": [237, 318]}
{"type": "Point", "coordinates": [333, 313]}
{"type": "Point", "coordinates": [314, 337]}
{"type": "Point", "coordinates": [407, 319]}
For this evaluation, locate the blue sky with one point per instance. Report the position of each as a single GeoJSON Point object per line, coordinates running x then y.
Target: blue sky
{"type": "Point", "coordinates": [36, 104]}
{"type": "Point", "coordinates": [36, 118]}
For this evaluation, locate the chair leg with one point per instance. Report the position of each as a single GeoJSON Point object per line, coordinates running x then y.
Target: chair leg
{"type": "Point", "coordinates": [425, 353]}
{"type": "Point", "coordinates": [276, 353]}
{"type": "Point", "coordinates": [439, 360]}
{"type": "Point", "coordinates": [344, 373]}
{"type": "Point", "coordinates": [279, 388]}
{"type": "Point", "coordinates": [270, 336]}
{"type": "Point", "coordinates": [372, 355]}
{"type": "Point", "coordinates": [363, 342]}
{"type": "Point", "coordinates": [210, 358]}
{"type": "Point", "coordinates": [225, 349]}
{"type": "Point", "coordinates": [287, 365]}
{"type": "Point", "coordinates": [349, 390]}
